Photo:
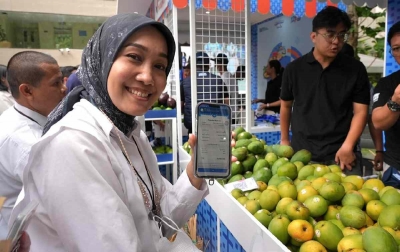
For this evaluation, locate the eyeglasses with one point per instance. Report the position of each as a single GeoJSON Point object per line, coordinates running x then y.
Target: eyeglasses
{"type": "Point", "coordinates": [395, 51]}
{"type": "Point", "coordinates": [331, 36]}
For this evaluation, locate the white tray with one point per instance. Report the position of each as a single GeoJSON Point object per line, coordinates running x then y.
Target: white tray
{"type": "Point", "coordinates": [247, 230]}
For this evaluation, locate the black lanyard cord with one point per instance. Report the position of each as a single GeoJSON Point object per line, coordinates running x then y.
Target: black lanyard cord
{"type": "Point", "coordinates": [30, 118]}
{"type": "Point", "coordinates": [140, 177]}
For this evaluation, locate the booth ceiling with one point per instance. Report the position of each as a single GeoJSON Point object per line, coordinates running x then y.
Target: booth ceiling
{"type": "Point", "coordinates": [298, 8]}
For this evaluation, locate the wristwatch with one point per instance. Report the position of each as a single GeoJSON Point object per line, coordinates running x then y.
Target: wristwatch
{"type": "Point", "coordinates": [267, 105]}
{"type": "Point", "coordinates": [393, 106]}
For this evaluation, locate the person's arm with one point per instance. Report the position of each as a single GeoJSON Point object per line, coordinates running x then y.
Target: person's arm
{"type": "Point", "coordinates": [382, 117]}
{"type": "Point", "coordinates": [272, 104]}
{"type": "Point", "coordinates": [345, 155]}
{"type": "Point", "coordinates": [376, 136]}
{"type": "Point", "coordinates": [286, 98]}
{"type": "Point", "coordinates": [361, 98]}
{"type": "Point", "coordinates": [286, 113]}
{"type": "Point", "coordinates": [258, 101]}
{"type": "Point", "coordinates": [83, 197]}
{"type": "Point", "coordinates": [226, 94]}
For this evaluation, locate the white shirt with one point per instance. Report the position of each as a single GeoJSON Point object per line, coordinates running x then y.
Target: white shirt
{"type": "Point", "coordinates": [89, 198]}
{"type": "Point", "coordinates": [231, 85]}
{"type": "Point", "coordinates": [6, 101]}
{"type": "Point", "coordinates": [18, 132]}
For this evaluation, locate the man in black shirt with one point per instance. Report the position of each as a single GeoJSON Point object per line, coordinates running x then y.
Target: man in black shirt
{"type": "Point", "coordinates": [386, 107]}
{"type": "Point", "coordinates": [329, 94]}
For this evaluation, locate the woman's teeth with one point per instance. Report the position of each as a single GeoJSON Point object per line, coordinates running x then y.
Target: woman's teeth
{"type": "Point", "coordinates": [138, 93]}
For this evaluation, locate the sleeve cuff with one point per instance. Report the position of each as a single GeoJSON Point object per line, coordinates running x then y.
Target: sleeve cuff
{"type": "Point", "coordinates": [187, 193]}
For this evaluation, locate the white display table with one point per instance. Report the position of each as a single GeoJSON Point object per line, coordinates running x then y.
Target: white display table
{"type": "Point", "coordinates": [248, 231]}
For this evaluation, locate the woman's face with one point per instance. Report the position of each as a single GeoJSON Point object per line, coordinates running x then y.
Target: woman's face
{"type": "Point", "coordinates": [137, 77]}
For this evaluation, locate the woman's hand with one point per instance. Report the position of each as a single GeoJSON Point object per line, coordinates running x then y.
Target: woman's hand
{"type": "Point", "coordinates": [195, 181]}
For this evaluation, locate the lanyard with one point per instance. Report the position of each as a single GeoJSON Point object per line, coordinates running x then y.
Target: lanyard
{"type": "Point", "coordinates": [30, 118]}
{"type": "Point", "coordinates": [151, 192]}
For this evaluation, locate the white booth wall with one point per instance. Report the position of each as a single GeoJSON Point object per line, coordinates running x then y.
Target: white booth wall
{"type": "Point", "coordinates": [281, 38]}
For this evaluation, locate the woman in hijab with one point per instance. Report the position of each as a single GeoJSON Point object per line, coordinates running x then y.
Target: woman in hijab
{"type": "Point", "coordinates": [93, 172]}
{"type": "Point", "coordinates": [6, 99]}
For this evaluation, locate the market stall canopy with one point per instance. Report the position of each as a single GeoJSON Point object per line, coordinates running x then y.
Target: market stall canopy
{"type": "Point", "coordinates": [298, 8]}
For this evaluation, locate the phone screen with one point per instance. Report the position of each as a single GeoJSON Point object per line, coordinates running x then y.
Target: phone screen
{"type": "Point", "coordinates": [213, 149]}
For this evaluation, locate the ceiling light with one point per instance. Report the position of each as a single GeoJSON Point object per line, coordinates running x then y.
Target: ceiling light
{"type": "Point", "coordinates": [207, 12]}
{"type": "Point", "coordinates": [135, 12]}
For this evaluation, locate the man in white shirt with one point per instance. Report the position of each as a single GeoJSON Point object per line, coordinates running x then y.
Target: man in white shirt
{"type": "Point", "coordinates": [221, 62]}
{"type": "Point", "coordinates": [37, 86]}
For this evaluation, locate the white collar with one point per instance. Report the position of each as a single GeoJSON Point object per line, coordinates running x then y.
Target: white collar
{"type": "Point", "coordinates": [105, 124]}
{"type": "Point", "coordinates": [32, 115]}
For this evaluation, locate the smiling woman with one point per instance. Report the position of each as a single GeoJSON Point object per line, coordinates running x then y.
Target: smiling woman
{"type": "Point", "coordinates": [103, 190]}
{"type": "Point", "coordinates": [137, 77]}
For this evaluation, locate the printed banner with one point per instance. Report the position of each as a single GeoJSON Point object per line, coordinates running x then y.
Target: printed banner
{"type": "Point", "coordinates": [281, 38]}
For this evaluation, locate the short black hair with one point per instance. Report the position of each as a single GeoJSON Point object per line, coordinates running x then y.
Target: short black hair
{"type": "Point", "coordinates": [66, 71]}
{"type": "Point", "coordinates": [330, 17]}
{"type": "Point", "coordinates": [392, 31]}
{"type": "Point", "coordinates": [277, 66]}
{"type": "Point", "coordinates": [25, 67]}
{"type": "Point", "coordinates": [3, 71]}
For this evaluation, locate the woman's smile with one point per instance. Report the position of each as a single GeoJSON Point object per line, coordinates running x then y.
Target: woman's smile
{"type": "Point", "coordinates": [141, 94]}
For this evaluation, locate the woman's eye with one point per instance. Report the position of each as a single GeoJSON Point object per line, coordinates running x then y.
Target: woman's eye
{"type": "Point", "coordinates": [134, 57]}
{"type": "Point", "coordinates": [161, 67]}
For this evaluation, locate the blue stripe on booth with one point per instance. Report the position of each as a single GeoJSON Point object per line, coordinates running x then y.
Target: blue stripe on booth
{"type": "Point", "coordinates": [299, 8]}
{"type": "Point", "coordinates": [276, 7]}
{"type": "Point", "coordinates": [224, 5]}
{"type": "Point", "coordinates": [320, 6]}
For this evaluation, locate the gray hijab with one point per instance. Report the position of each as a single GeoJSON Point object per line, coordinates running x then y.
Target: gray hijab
{"type": "Point", "coordinates": [97, 59]}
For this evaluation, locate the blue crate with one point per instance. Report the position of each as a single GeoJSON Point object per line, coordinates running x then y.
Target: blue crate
{"type": "Point", "coordinates": [160, 114]}
{"type": "Point", "coordinates": [164, 157]}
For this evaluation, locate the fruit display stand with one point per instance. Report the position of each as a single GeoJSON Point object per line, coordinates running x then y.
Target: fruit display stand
{"type": "Point", "coordinates": [237, 229]}
{"type": "Point", "coordinates": [271, 134]}
{"type": "Point", "coordinates": [305, 206]}
{"type": "Point", "coordinates": [169, 159]}
{"type": "Point", "coordinates": [265, 127]}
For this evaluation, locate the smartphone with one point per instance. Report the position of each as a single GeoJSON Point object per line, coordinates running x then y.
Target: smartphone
{"type": "Point", "coordinates": [20, 224]}
{"type": "Point", "coordinates": [213, 149]}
